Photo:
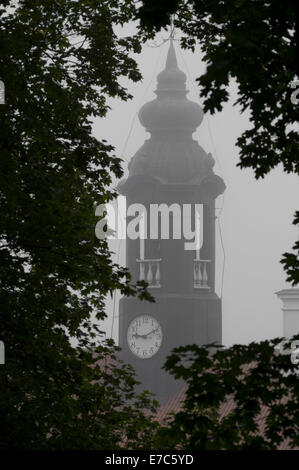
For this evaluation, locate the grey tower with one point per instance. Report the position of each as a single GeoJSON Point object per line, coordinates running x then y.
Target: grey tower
{"type": "Point", "coordinates": [170, 168]}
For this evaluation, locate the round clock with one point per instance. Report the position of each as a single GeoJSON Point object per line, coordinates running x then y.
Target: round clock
{"type": "Point", "coordinates": [144, 336]}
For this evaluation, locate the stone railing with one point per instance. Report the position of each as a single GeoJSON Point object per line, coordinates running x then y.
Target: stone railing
{"type": "Point", "coordinates": [200, 273]}
{"type": "Point", "coordinates": [149, 271]}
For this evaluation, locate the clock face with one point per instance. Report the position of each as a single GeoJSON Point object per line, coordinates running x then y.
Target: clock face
{"type": "Point", "coordinates": [144, 336]}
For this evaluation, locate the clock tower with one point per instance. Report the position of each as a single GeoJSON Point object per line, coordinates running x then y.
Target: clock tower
{"type": "Point", "coordinates": [170, 176]}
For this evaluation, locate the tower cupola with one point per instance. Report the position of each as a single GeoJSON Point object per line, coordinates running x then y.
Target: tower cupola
{"type": "Point", "coordinates": [171, 110]}
{"type": "Point", "coordinates": [171, 155]}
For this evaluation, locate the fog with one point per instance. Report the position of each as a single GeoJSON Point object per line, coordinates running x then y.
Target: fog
{"type": "Point", "coordinates": [256, 216]}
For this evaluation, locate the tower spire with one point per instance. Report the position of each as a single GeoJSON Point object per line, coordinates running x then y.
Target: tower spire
{"type": "Point", "coordinates": [171, 78]}
{"type": "Point", "coordinates": [171, 61]}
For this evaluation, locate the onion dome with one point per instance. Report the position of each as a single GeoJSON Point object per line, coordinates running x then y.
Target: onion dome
{"type": "Point", "coordinates": [171, 155]}
{"type": "Point", "coordinates": [171, 110]}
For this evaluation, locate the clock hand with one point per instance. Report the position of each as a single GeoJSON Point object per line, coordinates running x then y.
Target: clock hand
{"type": "Point", "coordinates": [142, 336]}
{"type": "Point", "coordinates": [153, 331]}
{"type": "Point", "coordinates": [136, 335]}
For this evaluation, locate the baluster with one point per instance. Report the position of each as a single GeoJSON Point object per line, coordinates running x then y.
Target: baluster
{"type": "Point", "coordinates": [196, 280]}
{"type": "Point", "coordinates": [199, 274]}
{"type": "Point", "coordinates": [205, 275]}
{"type": "Point", "coordinates": [150, 274]}
{"type": "Point", "coordinates": [141, 271]}
{"type": "Point", "coordinates": [158, 276]}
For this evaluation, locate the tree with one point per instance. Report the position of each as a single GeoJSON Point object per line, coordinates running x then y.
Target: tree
{"type": "Point", "coordinates": [257, 44]}
{"type": "Point", "coordinates": [59, 62]}
{"type": "Point", "coordinates": [260, 385]}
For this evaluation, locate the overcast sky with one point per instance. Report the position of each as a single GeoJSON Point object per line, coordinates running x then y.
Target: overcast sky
{"type": "Point", "coordinates": [256, 220]}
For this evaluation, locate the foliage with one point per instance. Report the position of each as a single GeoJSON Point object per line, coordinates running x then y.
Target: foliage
{"type": "Point", "coordinates": [261, 382]}
{"type": "Point", "coordinates": [253, 42]}
{"type": "Point", "coordinates": [59, 62]}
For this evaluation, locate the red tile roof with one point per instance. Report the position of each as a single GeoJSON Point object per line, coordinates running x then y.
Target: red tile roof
{"type": "Point", "coordinates": [174, 405]}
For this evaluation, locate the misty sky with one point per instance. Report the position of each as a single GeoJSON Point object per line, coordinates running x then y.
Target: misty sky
{"type": "Point", "coordinates": [256, 220]}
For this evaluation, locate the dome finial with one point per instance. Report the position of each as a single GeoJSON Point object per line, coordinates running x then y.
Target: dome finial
{"type": "Point", "coordinates": [171, 79]}
{"type": "Point", "coordinates": [171, 61]}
